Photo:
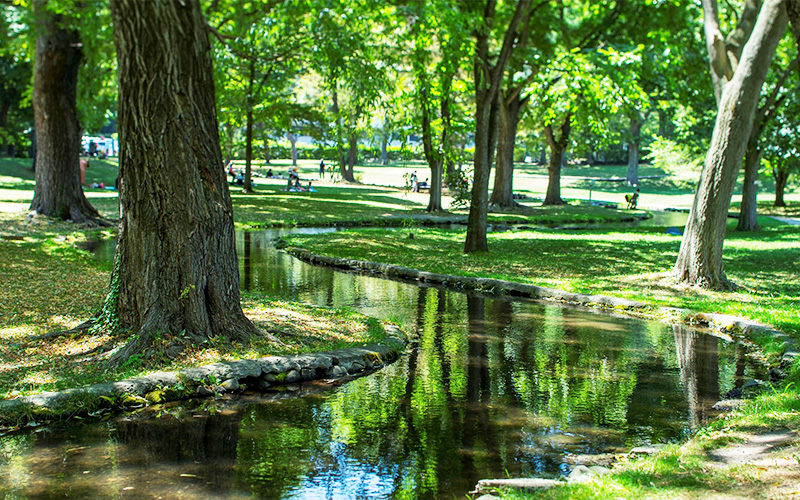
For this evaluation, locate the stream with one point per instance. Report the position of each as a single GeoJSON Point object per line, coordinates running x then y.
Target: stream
{"type": "Point", "coordinates": [492, 387]}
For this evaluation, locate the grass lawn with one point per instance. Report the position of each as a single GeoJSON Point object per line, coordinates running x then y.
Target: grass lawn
{"type": "Point", "coordinates": [631, 263]}
{"type": "Point", "coordinates": [49, 285]}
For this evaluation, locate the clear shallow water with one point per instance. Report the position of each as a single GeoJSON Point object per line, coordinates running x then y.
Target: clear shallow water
{"type": "Point", "coordinates": [491, 388]}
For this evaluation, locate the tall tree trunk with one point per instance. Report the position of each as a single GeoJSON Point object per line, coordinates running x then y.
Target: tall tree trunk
{"type": "Point", "coordinates": [348, 173]}
{"type": "Point", "coordinates": [385, 138]}
{"type": "Point", "coordinates": [503, 191]}
{"type": "Point", "coordinates": [265, 140]}
{"type": "Point", "coordinates": [781, 178]}
{"type": "Point", "coordinates": [293, 141]}
{"type": "Point", "coordinates": [248, 141]}
{"type": "Point", "coordinates": [558, 146]}
{"type": "Point", "coordinates": [4, 109]}
{"type": "Point", "coordinates": [248, 151]}
{"type": "Point", "coordinates": [488, 79]}
{"type": "Point", "coordinates": [748, 214]}
{"type": "Point", "coordinates": [633, 148]}
{"type": "Point", "coordinates": [228, 142]}
{"type": "Point", "coordinates": [700, 257]}
{"type": "Point", "coordinates": [477, 221]}
{"type": "Point", "coordinates": [433, 155]}
{"type": "Point", "coordinates": [340, 157]}
{"type": "Point", "coordinates": [58, 191]}
{"type": "Point", "coordinates": [664, 123]}
{"type": "Point", "coordinates": [175, 268]}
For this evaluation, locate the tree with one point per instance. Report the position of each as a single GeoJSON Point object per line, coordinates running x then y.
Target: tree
{"type": "Point", "coordinates": [258, 59]}
{"type": "Point", "coordinates": [511, 103]}
{"type": "Point", "coordinates": [488, 75]}
{"type": "Point", "coordinates": [748, 214]}
{"type": "Point", "coordinates": [781, 153]}
{"type": "Point", "coordinates": [175, 268]}
{"type": "Point", "coordinates": [439, 46]}
{"type": "Point", "coordinates": [724, 53]}
{"type": "Point", "coordinates": [348, 53]}
{"type": "Point", "coordinates": [58, 192]}
{"type": "Point", "coordinates": [574, 93]}
{"type": "Point", "coordinates": [700, 257]}
{"type": "Point", "coordinates": [793, 9]}
{"type": "Point", "coordinates": [16, 70]}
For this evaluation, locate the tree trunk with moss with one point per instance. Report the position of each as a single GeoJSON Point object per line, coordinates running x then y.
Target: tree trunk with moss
{"type": "Point", "coordinates": [58, 192]}
{"type": "Point", "coordinates": [700, 257]}
{"type": "Point", "coordinates": [176, 267]}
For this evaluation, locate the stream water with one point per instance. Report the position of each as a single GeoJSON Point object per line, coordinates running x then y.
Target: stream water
{"type": "Point", "coordinates": [492, 388]}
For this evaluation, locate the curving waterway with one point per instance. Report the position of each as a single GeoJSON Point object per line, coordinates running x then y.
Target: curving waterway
{"type": "Point", "coordinates": [490, 388]}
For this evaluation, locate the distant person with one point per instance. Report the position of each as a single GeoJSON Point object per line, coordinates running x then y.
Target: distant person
{"type": "Point", "coordinates": [632, 199]}
{"type": "Point", "coordinates": [322, 168]}
{"type": "Point", "coordinates": [84, 164]}
{"type": "Point", "coordinates": [270, 175]}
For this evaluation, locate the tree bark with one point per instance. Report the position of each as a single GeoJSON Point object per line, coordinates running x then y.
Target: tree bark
{"type": "Point", "coordinates": [433, 155]}
{"type": "Point", "coordinates": [700, 257]}
{"type": "Point", "coordinates": [488, 79]}
{"type": "Point", "coordinates": [724, 53]}
{"type": "Point", "coordinates": [503, 191]}
{"type": "Point", "coordinates": [781, 179]}
{"type": "Point", "coordinates": [248, 132]}
{"type": "Point", "coordinates": [58, 192]}
{"type": "Point", "coordinates": [293, 141]}
{"type": "Point", "coordinates": [248, 151]}
{"type": "Point", "coordinates": [348, 173]}
{"type": "Point", "coordinates": [176, 270]}
{"type": "Point", "coordinates": [265, 140]}
{"type": "Point", "coordinates": [748, 214]}
{"type": "Point", "coordinates": [793, 9]}
{"type": "Point", "coordinates": [633, 148]}
{"type": "Point", "coordinates": [558, 146]}
{"type": "Point", "coordinates": [477, 221]}
{"type": "Point", "coordinates": [385, 138]}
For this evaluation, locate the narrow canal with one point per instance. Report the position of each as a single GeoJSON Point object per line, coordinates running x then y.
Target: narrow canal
{"type": "Point", "coordinates": [490, 388]}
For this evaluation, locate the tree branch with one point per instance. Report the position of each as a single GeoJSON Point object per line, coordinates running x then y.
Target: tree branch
{"type": "Point", "coordinates": [734, 43]}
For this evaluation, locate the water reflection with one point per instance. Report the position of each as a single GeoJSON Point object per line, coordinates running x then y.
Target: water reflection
{"type": "Point", "coordinates": [491, 387]}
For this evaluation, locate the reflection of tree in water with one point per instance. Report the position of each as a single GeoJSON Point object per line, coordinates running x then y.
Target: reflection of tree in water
{"type": "Point", "coordinates": [202, 450]}
{"type": "Point", "coordinates": [699, 363]}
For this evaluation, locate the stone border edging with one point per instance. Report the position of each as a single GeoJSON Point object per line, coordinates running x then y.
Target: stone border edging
{"type": "Point", "coordinates": [207, 380]}
{"type": "Point", "coordinates": [719, 322]}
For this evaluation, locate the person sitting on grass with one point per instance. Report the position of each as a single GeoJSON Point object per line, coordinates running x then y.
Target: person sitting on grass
{"type": "Point", "coordinates": [632, 199]}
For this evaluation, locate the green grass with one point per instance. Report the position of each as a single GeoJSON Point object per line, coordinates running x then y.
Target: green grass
{"type": "Point", "coordinates": [49, 285]}
{"type": "Point", "coordinates": [631, 263]}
